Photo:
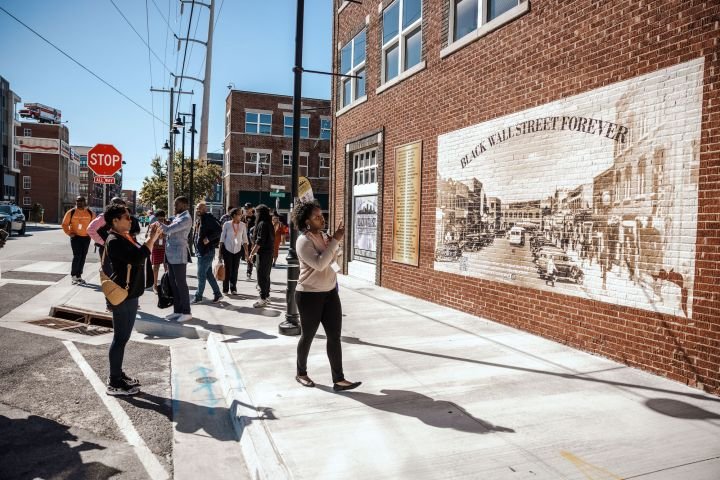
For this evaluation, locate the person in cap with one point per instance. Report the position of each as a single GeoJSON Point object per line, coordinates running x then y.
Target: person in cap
{"type": "Point", "coordinates": [75, 225]}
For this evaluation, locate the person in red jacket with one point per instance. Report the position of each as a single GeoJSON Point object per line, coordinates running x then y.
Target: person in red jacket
{"type": "Point", "coordinates": [75, 224]}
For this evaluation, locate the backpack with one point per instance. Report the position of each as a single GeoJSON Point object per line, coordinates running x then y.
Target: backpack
{"type": "Point", "coordinates": [165, 296]}
{"type": "Point", "coordinates": [72, 213]}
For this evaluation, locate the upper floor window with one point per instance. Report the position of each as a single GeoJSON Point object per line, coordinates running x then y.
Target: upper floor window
{"type": "Point", "coordinates": [365, 167]}
{"type": "Point", "coordinates": [352, 62]}
{"type": "Point", "coordinates": [27, 201]}
{"type": "Point", "coordinates": [324, 171]}
{"type": "Point", "coordinates": [258, 123]}
{"type": "Point", "coordinates": [304, 126]}
{"type": "Point", "coordinates": [27, 183]}
{"type": "Point", "coordinates": [257, 163]}
{"type": "Point", "coordinates": [325, 126]}
{"type": "Point", "coordinates": [401, 37]}
{"type": "Point", "coordinates": [27, 132]}
{"type": "Point", "coordinates": [468, 15]}
{"type": "Point", "coordinates": [302, 165]}
{"type": "Point", "coordinates": [26, 159]}
{"type": "Point", "coordinates": [83, 161]}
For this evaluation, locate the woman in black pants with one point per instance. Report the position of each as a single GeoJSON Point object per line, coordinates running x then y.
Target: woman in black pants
{"type": "Point", "coordinates": [263, 246]}
{"type": "Point", "coordinates": [233, 242]}
{"type": "Point", "coordinates": [317, 294]}
{"type": "Point", "coordinates": [125, 253]}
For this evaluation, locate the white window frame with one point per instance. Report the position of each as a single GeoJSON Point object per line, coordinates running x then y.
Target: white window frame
{"type": "Point", "coordinates": [253, 152]}
{"type": "Point", "coordinates": [329, 130]}
{"type": "Point", "coordinates": [400, 41]}
{"type": "Point", "coordinates": [227, 123]}
{"type": "Point", "coordinates": [258, 123]}
{"type": "Point", "coordinates": [304, 163]}
{"type": "Point", "coordinates": [365, 171]}
{"type": "Point", "coordinates": [27, 132]}
{"type": "Point", "coordinates": [324, 165]}
{"type": "Point", "coordinates": [290, 116]}
{"type": "Point", "coordinates": [27, 182]}
{"type": "Point", "coordinates": [27, 159]}
{"type": "Point", "coordinates": [483, 26]}
{"type": "Point", "coordinates": [354, 70]}
{"type": "Point", "coordinates": [27, 201]}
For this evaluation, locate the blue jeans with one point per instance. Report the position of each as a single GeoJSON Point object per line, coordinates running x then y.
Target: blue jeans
{"type": "Point", "coordinates": [204, 273]}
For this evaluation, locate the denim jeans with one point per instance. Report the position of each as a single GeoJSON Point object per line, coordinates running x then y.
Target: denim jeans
{"type": "Point", "coordinates": [204, 272]}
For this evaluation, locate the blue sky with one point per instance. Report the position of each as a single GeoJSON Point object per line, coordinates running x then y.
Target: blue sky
{"type": "Point", "coordinates": [253, 49]}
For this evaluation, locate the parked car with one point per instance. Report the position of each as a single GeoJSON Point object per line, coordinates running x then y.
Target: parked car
{"type": "Point", "coordinates": [448, 252]}
{"type": "Point", "coordinates": [13, 215]}
{"type": "Point", "coordinates": [499, 233]}
{"type": "Point", "coordinates": [472, 243]}
{"type": "Point", "coordinates": [5, 224]}
{"type": "Point", "coordinates": [565, 266]}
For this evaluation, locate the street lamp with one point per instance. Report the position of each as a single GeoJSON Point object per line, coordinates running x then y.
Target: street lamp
{"type": "Point", "coordinates": [179, 122]}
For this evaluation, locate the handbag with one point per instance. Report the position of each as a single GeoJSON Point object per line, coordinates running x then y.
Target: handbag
{"type": "Point", "coordinates": [164, 292]}
{"type": "Point", "coordinates": [114, 293]}
{"type": "Point", "coordinates": [219, 271]}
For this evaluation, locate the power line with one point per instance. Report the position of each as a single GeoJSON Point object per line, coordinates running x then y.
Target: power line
{"type": "Point", "coordinates": [81, 65]}
{"type": "Point", "coordinates": [182, 71]}
{"type": "Point", "coordinates": [152, 99]}
{"type": "Point", "coordinates": [163, 16]}
{"type": "Point", "coordinates": [138, 34]}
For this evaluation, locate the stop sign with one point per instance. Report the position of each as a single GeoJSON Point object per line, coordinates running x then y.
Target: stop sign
{"type": "Point", "coordinates": [104, 160]}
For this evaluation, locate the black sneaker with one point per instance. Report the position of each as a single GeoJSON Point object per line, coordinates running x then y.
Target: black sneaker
{"type": "Point", "coordinates": [118, 386]}
{"type": "Point", "coordinates": [133, 382]}
{"type": "Point", "coordinates": [217, 297]}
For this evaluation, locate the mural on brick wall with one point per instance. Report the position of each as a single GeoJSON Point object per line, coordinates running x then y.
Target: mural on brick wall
{"type": "Point", "coordinates": [593, 195]}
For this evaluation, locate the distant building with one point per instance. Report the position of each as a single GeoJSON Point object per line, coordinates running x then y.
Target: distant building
{"type": "Point", "coordinates": [258, 148]}
{"type": "Point", "coordinates": [130, 197]}
{"type": "Point", "coordinates": [10, 174]}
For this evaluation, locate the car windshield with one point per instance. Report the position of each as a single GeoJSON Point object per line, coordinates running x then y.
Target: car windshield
{"type": "Point", "coordinates": [5, 209]}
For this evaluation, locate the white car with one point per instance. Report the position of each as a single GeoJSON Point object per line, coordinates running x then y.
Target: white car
{"type": "Point", "coordinates": [517, 236]}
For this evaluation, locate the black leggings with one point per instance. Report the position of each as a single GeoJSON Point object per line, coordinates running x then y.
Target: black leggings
{"type": "Point", "coordinates": [123, 321]}
{"type": "Point", "coordinates": [232, 265]}
{"type": "Point", "coordinates": [316, 308]}
{"type": "Point", "coordinates": [264, 267]}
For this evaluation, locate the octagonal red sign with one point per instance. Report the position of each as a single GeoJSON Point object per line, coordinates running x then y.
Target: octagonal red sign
{"type": "Point", "coordinates": [104, 159]}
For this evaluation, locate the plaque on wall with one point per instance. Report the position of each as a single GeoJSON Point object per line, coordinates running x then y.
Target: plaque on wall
{"type": "Point", "coordinates": [406, 221]}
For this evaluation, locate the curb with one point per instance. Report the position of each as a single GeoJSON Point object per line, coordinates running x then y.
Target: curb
{"type": "Point", "coordinates": [261, 455]}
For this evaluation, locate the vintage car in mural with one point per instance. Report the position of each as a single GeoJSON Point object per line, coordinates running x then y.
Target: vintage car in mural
{"type": "Point", "coordinates": [538, 243]}
{"type": "Point", "coordinates": [448, 252]}
{"type": "Point", "coordinates": [475, 241]}
{"type": "Point", "coordinates": [566, 266]}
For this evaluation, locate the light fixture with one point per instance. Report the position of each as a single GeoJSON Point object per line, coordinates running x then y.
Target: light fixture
{"type": "Point", "coordinates": [166, 146]}
{"type": "Point", "coordinates": [178, 122]}
{"type": "Point", "coordinates": [174, 131]}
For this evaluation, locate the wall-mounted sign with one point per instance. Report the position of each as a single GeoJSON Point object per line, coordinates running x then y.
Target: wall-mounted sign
{"type": "Point", "coordinates": [365, 229]}
{"type": "Point", "coordinates": [406, 221]}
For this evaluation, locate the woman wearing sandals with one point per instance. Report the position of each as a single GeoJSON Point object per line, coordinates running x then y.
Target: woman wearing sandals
{"type": "Point", "coordinates": [317, 294]}
{"type": "Point", "coordinates": [128, 259]}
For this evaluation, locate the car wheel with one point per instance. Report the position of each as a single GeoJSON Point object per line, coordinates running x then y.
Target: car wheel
{"type": "Point", "coordinates": [22, 230]}
{"type": "Point", "coordinates": [579, 279]}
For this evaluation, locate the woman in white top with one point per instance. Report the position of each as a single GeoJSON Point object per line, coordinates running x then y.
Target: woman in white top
{"type": "Point", "coordinates": [317, 294]}
{"type": "Point", "coordinates": [233, 241]}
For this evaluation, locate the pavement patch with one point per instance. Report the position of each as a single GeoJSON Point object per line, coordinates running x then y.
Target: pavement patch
{"type": "Point", "coordinates": [36, 276]}
{"type": "Point", "coordinates": [14, 295]}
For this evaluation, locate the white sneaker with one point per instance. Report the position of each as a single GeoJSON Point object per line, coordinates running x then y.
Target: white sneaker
{"type": "Point", "coordinates": [74, 280]}
{"type": "Point", "coordinates": [172, 316]}
{"type": "Point", "coordinates": [262, 303]}
{"type": "Point", "coordinates": [184, 317]}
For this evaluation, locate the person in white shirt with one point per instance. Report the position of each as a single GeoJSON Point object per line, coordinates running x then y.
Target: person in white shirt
{"type": "Point", "coordinates": [233, 242]}
{"type": "Point", "coordinates": [317, 292]}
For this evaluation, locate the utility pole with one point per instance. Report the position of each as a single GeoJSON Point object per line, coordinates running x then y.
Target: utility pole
{"type": "Point", "coordinates": [171, 187]}
{"type": "Point", "coordinates": [205, 112]}
{"type": "Point", "coordinates": [192, 157]}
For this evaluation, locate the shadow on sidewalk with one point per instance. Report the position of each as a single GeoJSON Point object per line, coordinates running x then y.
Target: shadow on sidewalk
{"type": "Point", "coordinates": [678, 409]}
{"type": "Point", "coordinates": [238, 333]}
{"type": "Point", "coordinates": [36, 447]}
{"type": "Point", "coordinates": [434, 413]}
{"type": "Point", "coordinates": [568, 376]}
{"type": "Point", "coordinates": [262, 312]}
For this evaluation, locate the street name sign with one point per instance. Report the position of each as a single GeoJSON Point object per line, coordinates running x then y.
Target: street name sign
{"type": "Point", "coordinates": [277, 194]}
{"type": "Point", "coordinates": [277, 187]}
{"type": "Point", "coordinates": [105, 180]}
{"type": "Point", "coordinates": [104, 160]}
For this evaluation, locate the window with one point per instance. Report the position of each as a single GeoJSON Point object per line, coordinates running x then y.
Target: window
{"type": "Point", "coordinates": [257, 163]}
{"type": "Point", "coordinates": [83, 189]}
{"type": "Point", "coordinates": [641, 177]}
{"type": "Point", "coordinates": [26, 182]}
{"type": "Point", "coordinates": [227, 123]}
{"type": "Point", "coordinates": [27, 201]}
{"type": "Point", "coordinates": [401, 37]}
{"type": "Point", "coordinates": [628, 182]}
{"type": "Point", "coordinates": [84, 176]}
{"type": "Point", "coordinates": [27, 132]}
{"type": "Point", "coordinates": [83, 161]}
{"type": "Point", "coordinates": [302, 167]}
{"type": "Point", "coordinates": [324, 166]}
{"type": "Point", "coordinates": [304, 126]}
{"type": "Point", "coordinates": [26, 159]}
{"type": "Point", "coordinates": [258, 123]}
{"type": "Point", "coordinates": [325, 126]}
{"type": "Point", "coordinates": [352, 62]}
{"type": "Point", "coordinates": [365, 167]}
{"type": "Point", "coordinates": [469, 14]}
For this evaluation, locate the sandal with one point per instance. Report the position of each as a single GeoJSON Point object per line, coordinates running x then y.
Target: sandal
{"type": "Point", "coordinates": [305, 382]}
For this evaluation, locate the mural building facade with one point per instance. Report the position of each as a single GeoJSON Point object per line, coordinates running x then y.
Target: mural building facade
{"type": "Point", "coordinates": [563, 171]}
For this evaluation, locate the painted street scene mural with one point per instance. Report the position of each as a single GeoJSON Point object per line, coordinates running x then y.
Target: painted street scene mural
{"type": "Point", "coordinates": [365, 233]}
{"type": "Point", "coordinates": [593, 195]}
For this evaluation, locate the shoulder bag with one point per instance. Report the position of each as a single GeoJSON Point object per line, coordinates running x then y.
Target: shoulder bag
{"type": "Point", "coordinates": [114, 293]}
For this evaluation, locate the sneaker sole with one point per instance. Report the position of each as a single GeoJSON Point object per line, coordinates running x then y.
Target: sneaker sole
{"type": "Point", "coordinates": [120, 393]}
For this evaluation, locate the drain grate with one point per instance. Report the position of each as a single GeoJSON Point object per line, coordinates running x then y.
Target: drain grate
{"type": "Point", "coordinates": [70, 326]}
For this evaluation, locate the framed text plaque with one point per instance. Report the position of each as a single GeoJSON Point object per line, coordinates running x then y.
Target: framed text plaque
{"type": "Point", "coordinates": [406, 221]}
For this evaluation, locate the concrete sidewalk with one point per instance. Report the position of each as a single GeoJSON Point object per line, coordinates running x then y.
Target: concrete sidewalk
{"type": "Point", "coordinates": [450, 395]}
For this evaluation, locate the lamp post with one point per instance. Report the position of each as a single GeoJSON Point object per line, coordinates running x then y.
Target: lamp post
{"type": "Point", "coordinates": [192, 155]}
{"type": "Point", "coordinates": [260, 192]}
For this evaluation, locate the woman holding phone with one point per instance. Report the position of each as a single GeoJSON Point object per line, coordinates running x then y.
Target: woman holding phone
{"type": "Point", "coordinates": [317, 292]}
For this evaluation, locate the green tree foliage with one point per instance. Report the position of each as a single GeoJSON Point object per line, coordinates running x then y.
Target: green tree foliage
{"type": "Point", "coordinates": [154, 188]}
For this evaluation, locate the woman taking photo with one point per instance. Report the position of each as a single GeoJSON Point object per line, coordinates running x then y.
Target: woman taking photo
{"type": "Point", "coordinates": [317, 294]}
{"type": "Point", "coordinates": [158, 251]}
{"type": "Point", "coordinates": [233, 243]}
{"type": "Point", "coordinates": [125, 253]}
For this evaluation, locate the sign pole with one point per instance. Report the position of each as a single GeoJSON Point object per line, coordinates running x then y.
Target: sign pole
{"type": "Point", "coordinates": [104, 196]}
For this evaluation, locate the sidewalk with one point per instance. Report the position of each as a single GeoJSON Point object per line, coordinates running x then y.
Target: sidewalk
{"type": "Point", "coordinates": [449, 395]}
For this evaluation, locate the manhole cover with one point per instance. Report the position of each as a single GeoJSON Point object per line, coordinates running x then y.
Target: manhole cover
{"type": "Point", "coordinates": [71, 326]}
{"type": "Point", "coordinates": [206, 380]}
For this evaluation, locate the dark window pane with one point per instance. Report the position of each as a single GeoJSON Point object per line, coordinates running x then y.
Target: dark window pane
{"type": "Point", "coordinates": [413, 48]}
{"type": "Point", "coordinates": [391, 62]}
{"type": "Point", "coordinates": [498, 7]}
{"type": "Point", "coordinates": [265, 118]}
{"type": "Point", "coordinates": [359, 52]}
{"type": "Point", "coordinates": [251, 128]}
{"type": "Point", "coordinates": [412, 10]}
{"type": "Point", "coordinates": [466, 12]}
{"type": "Point", "coordinates": [288, 121]}
{"type": "Point", "coordinates": [391, 21]}
{"type": "Point", "coordinates": [347, 96]}
{"type": "Point", "coordinates": [304, 122]}
{"type": "Point", "coordinates": [265, 129]}
{"type": "Point", "coordinates": [287, 131]}
{"type": "Point", "coordinates": [360, 85]}
{"type": "Point", "coordinates": [346, 58]}
{"type": "Point", "coordinates": [251, 117]}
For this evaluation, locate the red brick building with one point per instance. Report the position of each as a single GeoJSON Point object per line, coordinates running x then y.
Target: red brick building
{"type": "Point", "coordinates": [483, 138]}
{"type": "Point", "coordinates": [258, 148]}
{"type": "Point", "coordinates": [49, 170]}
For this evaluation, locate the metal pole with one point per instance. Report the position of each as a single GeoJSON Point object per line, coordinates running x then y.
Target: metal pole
{"type": "Point", "coordinates": [206, 85]}
{"type": "Point", "coordinates": [171, 189]}
{"type": "Point", "coordinates": [182, 164]}
{"type": "Point", "coordinates": [192, 160]}
{"type": "Point", "coordinates": [104, 196]}
{"type": "Point", "coordinates": [291, 325]}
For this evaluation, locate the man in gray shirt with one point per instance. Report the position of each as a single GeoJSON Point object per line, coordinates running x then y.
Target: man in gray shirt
{"type": "Point", "coordinates": [177, 256]}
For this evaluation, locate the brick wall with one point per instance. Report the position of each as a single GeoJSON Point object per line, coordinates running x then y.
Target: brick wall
{"type": "Point", "coordinates": [539, 65]}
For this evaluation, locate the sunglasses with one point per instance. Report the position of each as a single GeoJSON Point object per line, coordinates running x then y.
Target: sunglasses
{"type": "Point", "coordinates": [125, 217]}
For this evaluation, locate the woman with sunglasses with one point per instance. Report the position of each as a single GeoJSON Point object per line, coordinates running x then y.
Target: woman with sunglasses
{"type": "Point", "coordinates": [125, 253]}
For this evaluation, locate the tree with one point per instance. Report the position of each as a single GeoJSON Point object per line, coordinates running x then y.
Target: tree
{"type": "Point", "coordinates": [154, 188]}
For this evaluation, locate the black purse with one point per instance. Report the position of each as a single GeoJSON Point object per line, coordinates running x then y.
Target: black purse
{"type": "Point", "coordinates": [164, 292]}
